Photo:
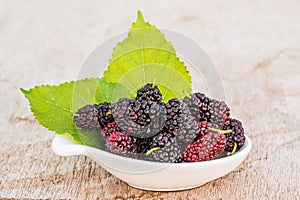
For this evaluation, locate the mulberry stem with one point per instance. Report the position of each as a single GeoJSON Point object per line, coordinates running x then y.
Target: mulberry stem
{"type": "Point", "coordinates": [152, 150]}
{"type": "Point", "coordinates": [154, 83]}
{"type": "Point", "coordinates": [234, 148]}
{"type": "Point", "coordinates": [221, 131]}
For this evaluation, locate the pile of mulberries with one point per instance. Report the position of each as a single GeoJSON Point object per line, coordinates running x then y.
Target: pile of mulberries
{"type": "Point", "coordinates": [195, 129]}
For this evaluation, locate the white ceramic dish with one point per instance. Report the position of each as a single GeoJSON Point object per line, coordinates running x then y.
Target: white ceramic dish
{"type": "Point", "coordinates": [153, 175]}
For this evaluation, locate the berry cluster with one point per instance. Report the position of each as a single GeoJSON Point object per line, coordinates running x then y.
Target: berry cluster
{"type": "Point", "coordinates": [198, 128]}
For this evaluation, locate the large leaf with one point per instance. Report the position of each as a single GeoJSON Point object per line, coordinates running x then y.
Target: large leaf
{"type": "Point", "coordinates": [110, 92]}
{"type": "Point", "coordinates": [145, 56]}
{"type": "Point", "coordinates": [54, 106]}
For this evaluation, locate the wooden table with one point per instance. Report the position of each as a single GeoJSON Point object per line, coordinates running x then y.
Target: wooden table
{"type": "Point", "coordinates": [255, 45]}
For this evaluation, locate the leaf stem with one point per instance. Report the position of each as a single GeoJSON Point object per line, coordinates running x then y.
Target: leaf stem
{"type": "Point", "coordinates": [188, 95]}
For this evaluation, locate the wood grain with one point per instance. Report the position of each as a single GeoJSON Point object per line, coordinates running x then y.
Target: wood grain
{"type": "Point", "coordinates": [255, 45]}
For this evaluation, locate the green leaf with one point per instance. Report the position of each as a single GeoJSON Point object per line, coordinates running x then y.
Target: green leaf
{"type": "Point", "coordinates": [110, 92]}
{"type": "Point", "coordinates": [145, 56]}
{"type": "Point", "coordinates": [54, 106]}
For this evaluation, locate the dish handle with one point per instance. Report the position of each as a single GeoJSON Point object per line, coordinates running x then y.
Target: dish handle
{"type": "Point", "coordinates": [64, 147]}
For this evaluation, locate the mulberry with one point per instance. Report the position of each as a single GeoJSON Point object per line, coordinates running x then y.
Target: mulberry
{"type": "Point", "coordinates": [173, 118]}
{"type": "Point", "coordinates": [122, 113]}
{"type": "Point", "coordinates": [179, 160]}
{"type": "Point", "coordinates": [204, 127]}
{"type": "Point", "coordinates": [93, 117]}
{"type": "Point", "coordinates": [168, 154]}
{"type": "Point", "coordinates": [108, 129]}
{"type": "Point", "coordinates": [127, 114]}
{"type": "Point", "coordinates": [188, 128]}
{"type": "Point", "coordinates": [148, 110]}
{"type": "Point", "coordinates": [87, 118]}
{"type": "Point", "coordinates": [142, 145]}
{"type": "Point", "coordinates": [161, 139]}
{"type": "Point", "coordinates": [149, 92]}
{"type": "Point", "coordinates": [105, 114]}
{"type": "Point", "coordinates": [121, 143]}
{"type": "Point", "coordinates": [207, 109]}
{"type": "Point", "coordinates": [235, 139]}
{"type": "Point", "coordinates": [205, 148]}
{"type": "Point", "coordinates": [219, 113]}
{"type": "Point", "coordinates": [199, 106]}
{"type": "Point", "coordinates": [158, 141]}
{"type": "Point", "coordinates": [149, 114]}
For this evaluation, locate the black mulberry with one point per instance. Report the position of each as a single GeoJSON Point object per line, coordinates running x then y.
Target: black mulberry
{"type": "Point", "coordinates": [188, 128]}
{"type": "Point", "coordinates": [87, 118]}
{"type": "Point", "coordinates": [149, 114]}
{"type": "Point", "coordinates": [219, 113]}
{"type": "Point", "coordinates": [122, 112]}
{"type": "Point", "coordinates": [142, 145]}
{"type": "Point", "coordinates": [105, 114]}
{"type": "Point", "coordinates": [199, 106]}
{"type": "Point", "coordinates": [127, 115]}
{"type": "Point", "coordinates": [235, 139]}
{"type": "Point", "coordinates": [149, 92]}
{"type": "Point", "coordinates": [173, 118]}
{"type": "Point", "coordinates": [148, 110]}
{"type": "Point", "coordinates": [169, 153]}
{"type": "Point", "coordinates": [161, 139]}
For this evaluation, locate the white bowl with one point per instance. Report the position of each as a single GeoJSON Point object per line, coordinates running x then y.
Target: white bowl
{"type": "Point", "coordinates": [153, 175]}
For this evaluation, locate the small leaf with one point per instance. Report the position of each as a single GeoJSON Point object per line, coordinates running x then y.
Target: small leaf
{"type": "Point", "coordinates": [145, 56]}
{"type": "Point", "coordinates": [54, 106]}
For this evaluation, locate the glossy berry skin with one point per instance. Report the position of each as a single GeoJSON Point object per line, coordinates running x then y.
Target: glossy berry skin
{"type": "Point", "coordinates": [148, 110]}
{"type": "Point", "coordinates": [142, 145]}
{"type": "Point", "coordinates": [105, 114]}
{"type": "Point", "coordinates": [179, 160]}
{"type": "Point", "coordinates": [149, 114]}
{"type": "Point", "coordinates": [205, 148]}
{"type": "Point", "coordinates": [219, 113]}
{"type": "Point", "coordinates": [108, 129]}
{"type": "Point", "coordinates": [170, 153]}
{"type": "Point", "coordinates": [121, 143]}
{"type": "Point", "coordinates": [93, 117]}
{"type": "Point", "coordinates": [196, 129]}
{"type": "Point", "coordinates": [188, 129]}
{"type": "Point", "coordinates": [204, 127]}
{"type": "Point", "coordinates": [122, 114]}
{"type": "Point", "coordinates": [237, 136]}
{"type": "Point", "coordinates": [173, 118]}
{"type": "Point", "coordinates": [139, 119]}
{"type": "Point", "coordinates": [199, 106]}
{"type": "Point", "coordinates": [161, 139]}
{"type": "Point", "coordinates": [87, 118]}
{"type": "Point", "coordinates": [207, 109]}
{"type": "Point", "coordinates": [149, 92]}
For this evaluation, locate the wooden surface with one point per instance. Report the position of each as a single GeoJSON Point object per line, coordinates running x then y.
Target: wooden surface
{"type": "Point", "coordinates": [255, 45]}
